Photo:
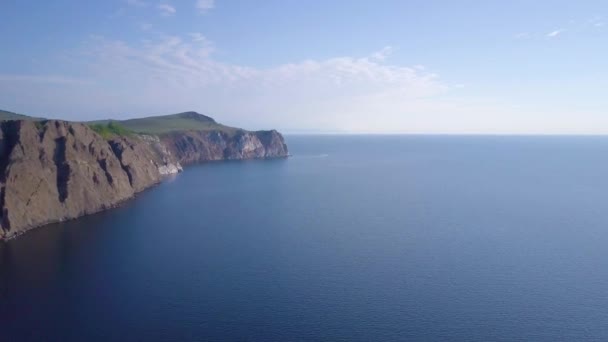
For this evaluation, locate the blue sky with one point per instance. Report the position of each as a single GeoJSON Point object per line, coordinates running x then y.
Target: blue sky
{"type": "Point", "coordinates": [308, 66]}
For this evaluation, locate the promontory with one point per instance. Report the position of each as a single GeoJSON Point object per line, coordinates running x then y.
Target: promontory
{"type": "Point", "coordinates": [53, 170]}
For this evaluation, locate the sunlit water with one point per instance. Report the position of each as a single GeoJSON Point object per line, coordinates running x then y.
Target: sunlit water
{"type": "Point", "coordinates": [353, 238]}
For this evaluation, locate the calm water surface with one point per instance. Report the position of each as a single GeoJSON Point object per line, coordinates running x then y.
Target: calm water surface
{"type": "Point", "coordinates": [352, 239]}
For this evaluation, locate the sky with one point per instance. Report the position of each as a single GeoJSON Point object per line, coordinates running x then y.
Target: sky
{"type": "Point", "coordinates": [430, 67]}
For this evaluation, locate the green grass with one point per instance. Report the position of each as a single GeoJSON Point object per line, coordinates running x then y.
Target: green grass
{"type": "Point", "coordinates": [159, 125]}
{"type": "Point", "coordinates": [6, 115]}
{"type": "Point", "coordinates": [110, 129]}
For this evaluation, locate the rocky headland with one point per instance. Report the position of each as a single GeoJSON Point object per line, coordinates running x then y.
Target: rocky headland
{"type": "Point", "coordinates": [53, 170]}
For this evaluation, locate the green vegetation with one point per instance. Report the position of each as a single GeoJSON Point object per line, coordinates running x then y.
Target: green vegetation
{"type": "Point", "coordinates": [6, 115]}
{"type": "Point", "coordinates": [187, 121]}
{"type": "Point", "coordinates": [157, 125]}
{"type": "Point", "coordinates": [110, 129]}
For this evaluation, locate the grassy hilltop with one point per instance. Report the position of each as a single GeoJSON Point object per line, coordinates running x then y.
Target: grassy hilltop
{"type": "Point", "coordinates": [6, 115]}
{"type": "Point", "coordinates": [157, 125]}
{"type": "Point", "coordinates": [187, 121]}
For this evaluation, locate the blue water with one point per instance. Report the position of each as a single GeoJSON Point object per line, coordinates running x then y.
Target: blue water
{"type": "Point", "coordinates": [352, 239]}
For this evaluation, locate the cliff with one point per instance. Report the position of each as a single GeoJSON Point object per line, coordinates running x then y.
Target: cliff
{"type": "Point", "coordinates": [200, 146]}
{"type": "Point", "coordinates": [56, 170]}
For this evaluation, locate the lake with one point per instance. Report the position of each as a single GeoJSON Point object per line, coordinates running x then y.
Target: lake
{"type": "Point", "coordinates": [353, 238]}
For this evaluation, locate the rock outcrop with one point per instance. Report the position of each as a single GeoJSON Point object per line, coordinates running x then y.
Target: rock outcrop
{"type": "Point", "coordinates": [56, 170]}
{"type": "Point", "coordinates": [200, 146]}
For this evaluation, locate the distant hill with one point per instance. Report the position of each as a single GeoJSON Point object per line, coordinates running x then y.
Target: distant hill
{"type": "Point", "coordinates": [158, 125]}
{"type": "Point", "coordinates": [6, 115]}
{"type": "Point", "coordinates": [171, 123]}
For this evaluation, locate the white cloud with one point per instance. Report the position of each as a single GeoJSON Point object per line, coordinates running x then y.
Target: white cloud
{"type": "Point", "coordinates": [572, 27]}
{"type": "Point", "coordinates": [205, 5]}
{"type": "Point", "coordinates": [596, 22]}
{"type": "Point", "coordinates": [175, 59]}
{"type": "Point", "coordinates": [198, 37]}
{"type": "Point", "coordinates": [345, 93]}
{"type": "Point", "coordinates": [383, 54]}
{"type": "Point", "coordinates": [175, 73]}
{"type": "Point", "coordinates": [554, 33]}
{"type": "Point", "coordinates": [166, 9]}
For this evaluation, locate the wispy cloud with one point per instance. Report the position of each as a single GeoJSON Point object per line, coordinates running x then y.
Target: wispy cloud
{"type": "Point", "coordinates": [597, 22]}
{"type": "Point", "coordinates": [204, 6]}
{"type": "Point", "coordinates": [181, 72]}
{"type": "Point", "coordinates": [166, 9]}
{"type": "Point", "coordinates": [573, 27]}
{"type": "Point", "coordinates": [367, 93]}
{"type": "Point", "coordinates": [383, 54]}
{"type": "Point", "coordinates": [200, 38]}
{"type": "Point", "coordinates": [174, 58]}
{"type": "Point", "coordinates": [554, 33]}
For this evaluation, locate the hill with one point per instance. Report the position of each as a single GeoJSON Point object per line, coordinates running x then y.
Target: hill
{"type": "Point", "coordinates": [187, 121]}
{"type": "Point", "coordinates": [157, 125]}
{"type": "Point", "coordinates": [6, 115]}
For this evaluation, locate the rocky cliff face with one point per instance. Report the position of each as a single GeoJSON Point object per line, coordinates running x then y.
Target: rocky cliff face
{"type": "Point", "coordinates": [200, 146]}
{"type": "Point", "coordinates": [58, 170]}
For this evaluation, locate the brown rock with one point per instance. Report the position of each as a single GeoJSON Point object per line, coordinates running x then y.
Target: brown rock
{"type": "Point", "coordinates": [56, 170]}
{"type": "Point", "coordinates": [201, 146]}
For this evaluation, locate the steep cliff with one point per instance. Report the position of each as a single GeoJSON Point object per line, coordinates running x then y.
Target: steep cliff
{"type": "Point", "coordinates": [199, 146]}
{"type": "Point", "coordinates": [193, 137]}
{"type": "Point", "coordinates": [56, 170]}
